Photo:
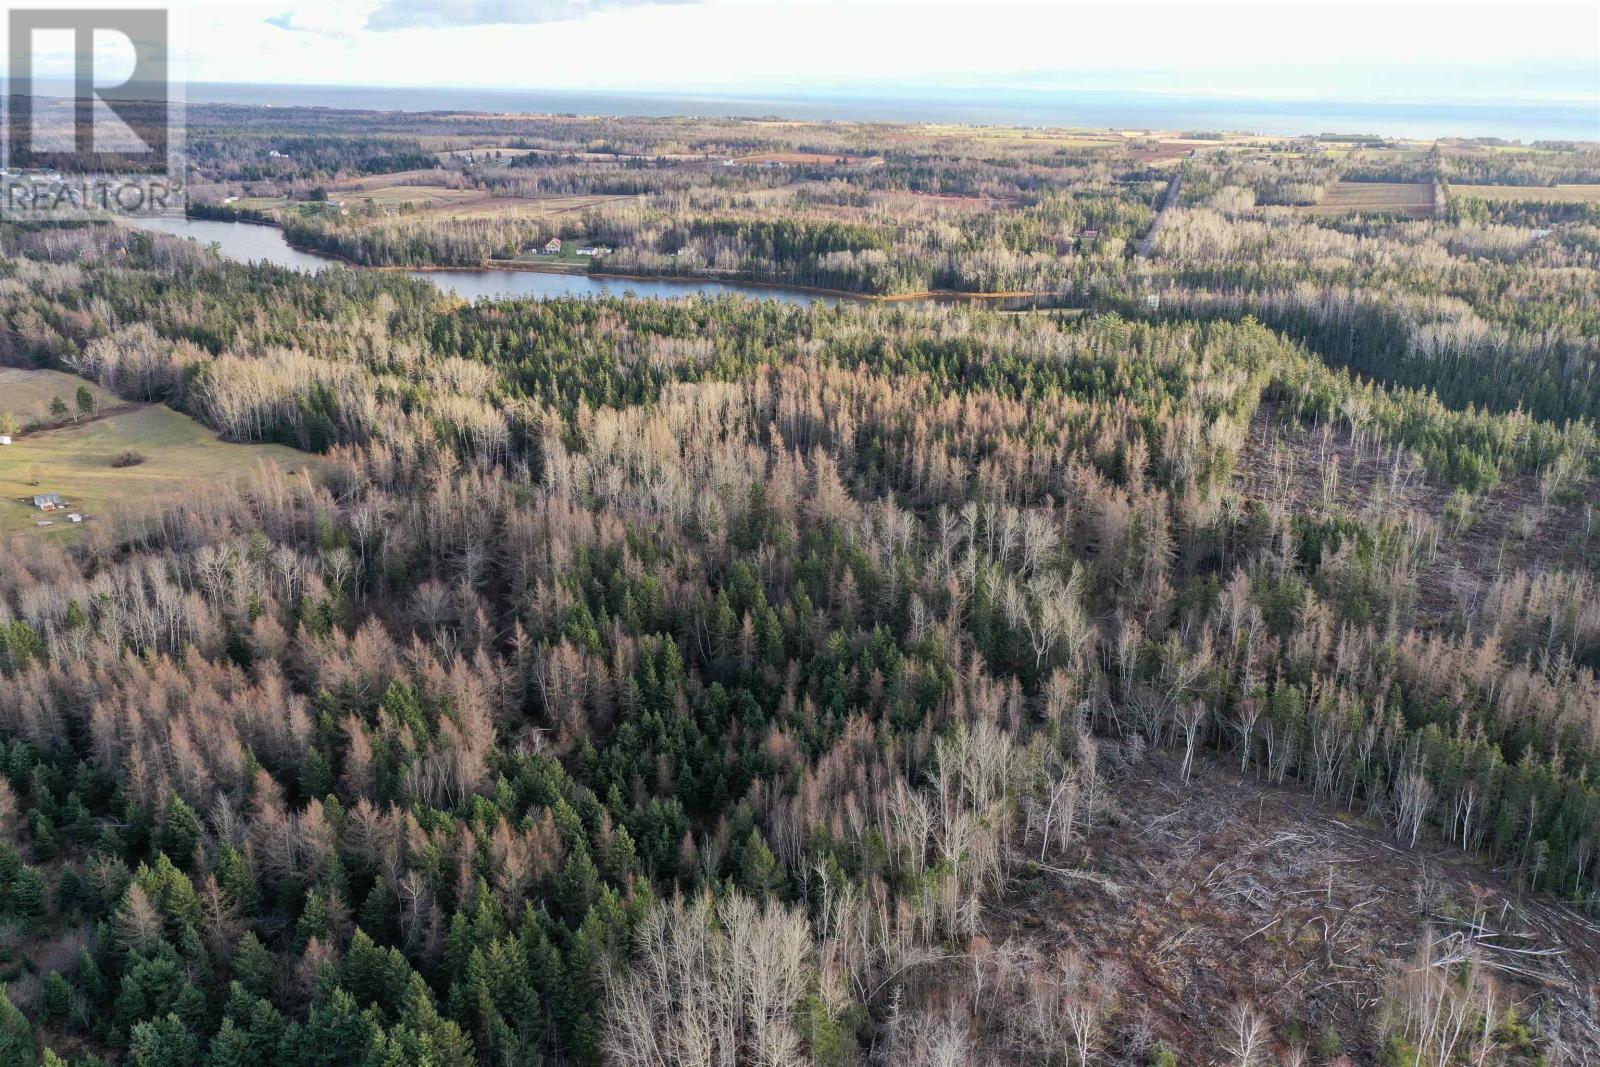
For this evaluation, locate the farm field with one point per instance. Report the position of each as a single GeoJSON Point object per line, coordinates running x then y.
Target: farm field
{"type": "Point", "coordinates": [27, 394]}
{"type": "Point", "coordinates": [422, 178]}
{"type": "Point", "coordinates": [480, 152]}
{"type": "Point", "coordinates": [427, 195]}
{"type": "Point", "coordinates": [75, 461]}
{"type": "Point", "coordinates": [523, 207]}
{"type": "Point", "coordinates": [262, 203]}
{"type": "Point", "coordinates": [805, 158]}
{"type": "Point", "coordinates": [1542, 194]}
{"type": "Point", "coordinates": [1399, 198]}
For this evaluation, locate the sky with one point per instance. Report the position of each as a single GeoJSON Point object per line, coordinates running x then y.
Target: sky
{"type": "Point", "coordinates": [1289, 49]}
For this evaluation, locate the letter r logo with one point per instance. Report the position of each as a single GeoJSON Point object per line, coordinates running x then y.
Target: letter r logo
{"type": "Point", "coordinates": [141, 102]}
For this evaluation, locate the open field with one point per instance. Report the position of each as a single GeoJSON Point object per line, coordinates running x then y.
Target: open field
{"type": "Point", "coordinates": [1167, 151]}
{"type": "Point", "coordinates": [1396, 198]}
{"type": "Point", "coordinates": [1404, 153]}
{"type": "Point", "coordinates": [483, 151]}
{"type": "Point", "coordinates": [27, 393]}
{"type": "Point", "coordinates": [420, 178]}
{"type": "Point", "coordinates": [805, 158]}
{"type": "Point", "coordinates": [430, 195]}
{"type": "Point", "coordinates": [1541, 194]}
{"type": "Point", "coordinates": [520, 206]}
{"type": "Point", "coordinates": [75, 461]}
{"type": "Point", "coordinates": [262, 203]}
{"type": "Point", "coordinates": [491, 153]}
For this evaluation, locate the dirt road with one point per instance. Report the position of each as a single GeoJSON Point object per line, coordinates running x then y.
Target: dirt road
{"type": "Point", "coordinates": [1147, 243]}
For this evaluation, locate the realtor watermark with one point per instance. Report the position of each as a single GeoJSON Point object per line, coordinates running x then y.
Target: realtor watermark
{"type": "Point", "coordinates": [93, 124]}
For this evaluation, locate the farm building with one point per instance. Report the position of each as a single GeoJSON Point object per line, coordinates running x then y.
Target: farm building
{"type": "Point", "coordinates": [5, 439]}
{"type": "Point", "coordinates": [49, 501]}
{"type": "Point", "coordinates": [552, 246]}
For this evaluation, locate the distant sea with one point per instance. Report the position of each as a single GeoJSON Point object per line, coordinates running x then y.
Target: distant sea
{"type": "Point", "coordinates": [1517, 121]}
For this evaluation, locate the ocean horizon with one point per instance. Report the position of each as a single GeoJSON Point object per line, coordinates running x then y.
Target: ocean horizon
{"type": "Point", "coordinates": [1525, 121]}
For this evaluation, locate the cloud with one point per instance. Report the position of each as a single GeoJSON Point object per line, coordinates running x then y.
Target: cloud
{"type": "Point", "coordinates": [439, 14]}
{"type": "Point", "coordinates": [292, 22]}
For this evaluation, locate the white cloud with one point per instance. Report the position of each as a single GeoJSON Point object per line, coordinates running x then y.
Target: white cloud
{"type": "Point", "coordinates": [1337, 49]}
{"type": "Point", "coordinates": [439, 14]}
{"type": "Point", "coordinates": [295, 22]}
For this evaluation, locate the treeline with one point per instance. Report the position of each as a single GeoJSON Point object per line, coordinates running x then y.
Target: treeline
{"type": "Point", "coordinates": [291, 154]}
{"type": "Point", "coordinates": [1531, 213]}
{"type": "Point", "coordinates": [1479, 317]}
{"type": "Point", "coordinates": [460, 242]}
{"type": "Point", "coordinates": [1040, 247]}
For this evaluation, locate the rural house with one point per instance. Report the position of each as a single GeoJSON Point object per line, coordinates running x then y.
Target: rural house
{"type": "Point", "coordinates": [5, 439]}
{"type": "Point", "coordinates": [553, 246]}
{"type": "Point", "coordinates": [48, 501]}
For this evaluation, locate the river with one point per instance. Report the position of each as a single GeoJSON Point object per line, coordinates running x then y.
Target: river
{"type": "Point", "coordinates": [250, 243]}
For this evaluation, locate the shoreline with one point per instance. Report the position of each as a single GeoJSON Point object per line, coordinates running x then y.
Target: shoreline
{"type": "Point", "coordinates": [948, 296]}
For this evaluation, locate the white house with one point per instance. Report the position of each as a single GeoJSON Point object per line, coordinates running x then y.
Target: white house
{"type": "Point", "coordinates": [5, 439]}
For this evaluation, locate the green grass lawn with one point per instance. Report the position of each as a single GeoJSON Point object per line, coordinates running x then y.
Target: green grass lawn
{"type": "Point", "coordinates": [569, 251]}
{"type": "Point", "coordinates": [75, 461]}
{"type": "Point", "coordinates": [27, 393]}
{"type": "Point", "coordinates": [567, 257]}
{"type": "Point", "coordinates": [1543, 194]}
{"type": "Point", "coordinates": [261, 203]}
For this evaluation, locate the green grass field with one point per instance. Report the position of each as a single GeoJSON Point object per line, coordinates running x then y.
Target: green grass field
{"type": "Point", "coordinates": [27, 393]}
{"type": "Point", "coordinates": [395, 195]}
{"type": "Point", "coordinates": [75, 461]}
{"type": "Point", "coordinates": [1540, 194]}
{"type": "Point", "coordinates": [261, 203]}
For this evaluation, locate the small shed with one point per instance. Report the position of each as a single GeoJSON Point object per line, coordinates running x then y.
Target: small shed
{"type": "Point", "coordinates": [48, 501]}
{"type": "Point", "coordinates": [5, 439]}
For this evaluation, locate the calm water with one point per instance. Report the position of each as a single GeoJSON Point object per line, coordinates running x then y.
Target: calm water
{"type": "Point", "coordinates": [248, 243]}
{"type": "Point", "coordinates": [1084, 108]}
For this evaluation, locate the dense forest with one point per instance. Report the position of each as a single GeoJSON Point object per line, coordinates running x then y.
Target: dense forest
{"type": "Point", "coordinates": [642, 683]}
